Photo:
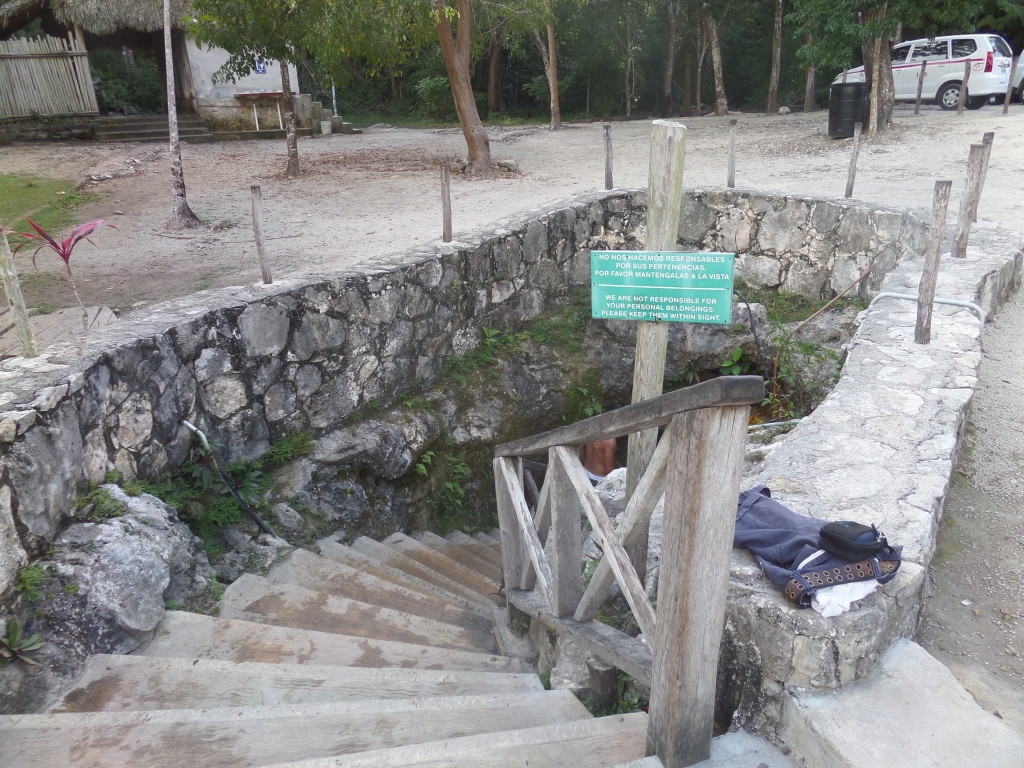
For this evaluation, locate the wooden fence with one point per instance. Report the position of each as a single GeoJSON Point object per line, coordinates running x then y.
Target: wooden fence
{"type": "Point", "coordinates": [697, 467]}
{"type": "Point", "coordinates": [46, 77]}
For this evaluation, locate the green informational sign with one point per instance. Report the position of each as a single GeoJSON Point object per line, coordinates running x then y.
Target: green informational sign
{"type": "Point", "coordinates": [661, 285]}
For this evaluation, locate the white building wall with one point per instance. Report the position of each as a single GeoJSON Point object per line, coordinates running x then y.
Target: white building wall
{"type": "Point", "coordinates": [206, 61]}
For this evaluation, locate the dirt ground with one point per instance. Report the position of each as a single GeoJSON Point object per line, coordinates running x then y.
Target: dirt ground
{"type": "Point", "coordinates": [362, 197]}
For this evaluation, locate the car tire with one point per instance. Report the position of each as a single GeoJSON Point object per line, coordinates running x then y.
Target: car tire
{"type": "Point", "coordinates": [949, 95]}
{"type": "Point", "coordinates": [976, 102]}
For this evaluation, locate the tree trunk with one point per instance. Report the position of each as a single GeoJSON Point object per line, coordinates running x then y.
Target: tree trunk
{"type": "Point", "coordinates": [494, 74]}
{"type": "Point", "coordinates": [711, 30]}
{"type": "Point", "coordinates": [773, 81]}
{"type": "Point", "coordinates": [182, 216]}
{"type": "Point", "coordinates": [673, 12]}
{"type": "Point", "coordinates": [629, 82]}
{"type": "Point", "coordinates": [455, 53]}
{"type": "Point", "coordinates": [881, 89]}
{"type": "Point", "coordinates": [291, 134]}
{"type": "Point", "coordinates": [687, 109]}
{"type": "Point", "coordinates": [556, 109]}
{"type": "Point", "coordinates": [549, 55]}
{"type": "Point", "coordinates": [698, 81]}
{"type": "Point", "coordinates": [810, 103]}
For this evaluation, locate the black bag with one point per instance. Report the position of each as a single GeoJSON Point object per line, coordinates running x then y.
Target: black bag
{"type": "Point", "coordinates": [852, 541]}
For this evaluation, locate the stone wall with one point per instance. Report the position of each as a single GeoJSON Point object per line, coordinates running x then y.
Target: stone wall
{"type": "Point", "coordinates": [250, 364]}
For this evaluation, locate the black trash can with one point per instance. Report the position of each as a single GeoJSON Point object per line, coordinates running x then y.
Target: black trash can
{"type": "Point", "coordinates": [845, 107]}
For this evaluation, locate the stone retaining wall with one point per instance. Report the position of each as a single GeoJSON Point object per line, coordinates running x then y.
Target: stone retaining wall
{"type": "Point", "coordinates": [251, 364]}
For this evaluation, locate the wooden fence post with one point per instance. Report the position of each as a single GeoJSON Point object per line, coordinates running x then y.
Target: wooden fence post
{"type": "Point", "coordinates": [968, 202]}
{"type": "Point", "coordinates": [963, 87]}
{"type": "Point", "coordinates": [852, 173]}
{"type": "Point", "coordinates": [731, 180]}
{"type": "Point", "coordinates": [664, 198]}
{"type": "Point", "coordinates": [446, 203]}
{"type": "Point", "coordinates": [930, 274]}
{"type": "Point", "coordinates": [920, 88]}
{"type": "Point", "coordinates": [12, 288]}
{"type": "Point", "coordinates": [986, 142]}
{"type": "Point", "coordinates": [700, 519]}
{"type": "Point", "coordinates": [607, 155]}
{"type": "Point", "coordinates": [1009, 85]}
{"type": "Point", "coordinates": [257, 227]}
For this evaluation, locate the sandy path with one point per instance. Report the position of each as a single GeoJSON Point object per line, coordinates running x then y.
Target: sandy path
{"type": "Point", "coordinates": [364, 196]}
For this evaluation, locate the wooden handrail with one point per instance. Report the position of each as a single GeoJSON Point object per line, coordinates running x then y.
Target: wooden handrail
{"type": "Point", "coordinates": [657, 412]}
{"type": "Point", "coordinates": [696, 466]}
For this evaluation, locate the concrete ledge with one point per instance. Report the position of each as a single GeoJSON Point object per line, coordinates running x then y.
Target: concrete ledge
{"type": "Point", "coordinates": [910, 711]}
{"type": "Point", "coordinates": [880, 449]}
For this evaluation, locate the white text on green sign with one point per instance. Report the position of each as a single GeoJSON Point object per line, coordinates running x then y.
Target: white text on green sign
{"type": "Point", "coordinates": [661, 285]}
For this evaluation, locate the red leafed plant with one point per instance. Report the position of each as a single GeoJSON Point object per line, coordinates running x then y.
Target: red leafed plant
{"type": "Point", "coordinates": [64, 249]}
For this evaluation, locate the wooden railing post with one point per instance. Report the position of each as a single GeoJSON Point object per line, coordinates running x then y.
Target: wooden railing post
{"type": "Point", "coordinates": [565, 539]}
{"type": "Point", "coordinates": [700, 518]}
{"type": "Point", "coordinates": [513, 549]}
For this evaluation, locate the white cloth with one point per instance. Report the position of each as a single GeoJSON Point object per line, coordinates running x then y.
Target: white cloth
{"type": "Point", "coordinates": [834, 600]}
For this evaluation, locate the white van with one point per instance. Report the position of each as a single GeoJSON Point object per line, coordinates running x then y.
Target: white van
{"type": "Point", "coordinates": [990, 57]}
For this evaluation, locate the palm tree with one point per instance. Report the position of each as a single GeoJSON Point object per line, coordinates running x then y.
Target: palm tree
{"type": "Point", "coordinates": [182, 216]}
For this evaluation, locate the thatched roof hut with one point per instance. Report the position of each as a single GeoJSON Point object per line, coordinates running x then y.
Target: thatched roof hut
{"type": "Point", "coordinates": [98, 17]}
{"type": "Point", "coordinates": [104, 17]}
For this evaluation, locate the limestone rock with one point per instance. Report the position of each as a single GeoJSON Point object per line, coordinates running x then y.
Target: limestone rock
{"type": "Point", "coordinates": [105, 589]}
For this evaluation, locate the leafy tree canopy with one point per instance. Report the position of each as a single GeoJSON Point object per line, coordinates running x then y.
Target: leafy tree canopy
{"type": "Point", "coordinates": [375, 33]}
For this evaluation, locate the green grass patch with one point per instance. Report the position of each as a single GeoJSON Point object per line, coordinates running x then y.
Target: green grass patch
{"type": "Point", "coordinates": [49, 202]}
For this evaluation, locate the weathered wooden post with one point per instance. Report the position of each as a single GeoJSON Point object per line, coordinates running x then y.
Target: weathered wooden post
{"type": "Point", "coordinates": [664, 197]}
{"type": "Point", "coordinates": [926, 290]}
{"type": "Point", "coordinates": [920, 88]}
{"type": "Point", "coordinates": [1009, 85]}
{"type": "Point", "coordinates": [700, 518]}
{"type": "Point", "coordinates": [12, 288]}
{"type": "Point", "coordinates": [607, 155]}
{"type": "Point", "coordinates": [731, 180]}
{"type": "Point", "coordinates": [257, 226]}
{"type": "Point", "coordinates": [963, 87]}
{"type": "Point", "coordinates": [851, 175]}
{"type": "Point", "coordinates": [968, 203]}
{"type": "Point", "coordinates": [446, 203]}
{"type": "Point", "coordinates": [986, 142]}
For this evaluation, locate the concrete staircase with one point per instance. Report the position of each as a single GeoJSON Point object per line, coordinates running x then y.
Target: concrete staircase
{"type": "Point", "coordinates": [378, 653]}
{"type": "Point", "coordinates": [149, 128]}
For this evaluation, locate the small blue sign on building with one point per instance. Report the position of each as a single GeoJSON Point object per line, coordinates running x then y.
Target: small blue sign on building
{"type": "Point", "coordinates": [261, 67]}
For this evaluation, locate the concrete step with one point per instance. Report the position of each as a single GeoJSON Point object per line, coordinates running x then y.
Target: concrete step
{"type": "Point", "coordinates": [134, 683]}
{"type": "Point", "coordinates": [263, 133]}
{"type": "Point", "coordinates": [340, 553]}
{"type": "Point", "coordinates": [192, 635]}
{"type": "Point", "coordinates": [478, 548]}
{"type": "Point", "coordinates": [445, 565]}
{"type": "Point", "coordinates": [257, 736]}
{"type": "Point", "coordinates": [597, 743]}
{"type": "Point", "coordinates": [304, 569]}
{"type": "Point", "coordinates": [392, 557]}
{"type": "Point", "coordinates": [254, 598]}
{"type": "Point", "coordinates": [744, 750]}
{"type": "Point", "coordinates": [911, 708]}
{"type": "Point", "coordinates": [491, 541]}
{"type": "Point", "coordinates": [463, 554]}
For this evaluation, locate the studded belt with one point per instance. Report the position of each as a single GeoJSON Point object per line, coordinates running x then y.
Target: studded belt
{"type": "Point", "coordinates": [811, 581]}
